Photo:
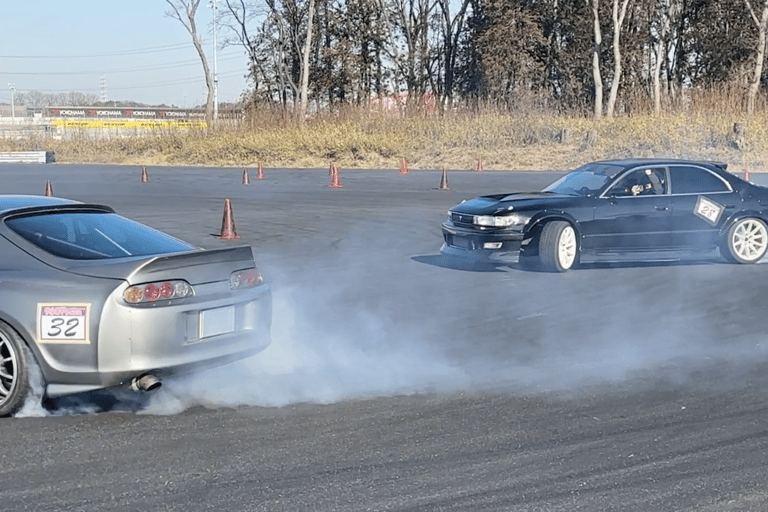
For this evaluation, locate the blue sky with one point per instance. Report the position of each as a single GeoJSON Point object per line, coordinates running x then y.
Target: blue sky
{"type": "Point", "coordinates": [141, 54]}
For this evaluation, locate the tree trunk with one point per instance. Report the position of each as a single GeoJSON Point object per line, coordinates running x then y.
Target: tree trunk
{"type": "Point", "coordinates": [598, 41]}
{"type": "Point", "coordinates": [305, 61]}
{"type": "Point", "coordinates": [188, 20]}
{"type": "Point", "coordinates": [657, 78]}
{"type": "Point", "coordinates": [754, 85]}
{"type": "Point", "coordinates": [618, 21]}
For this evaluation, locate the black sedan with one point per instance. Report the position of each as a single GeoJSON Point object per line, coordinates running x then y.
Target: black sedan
{"type": "Point", "coordinates": [617, 209]}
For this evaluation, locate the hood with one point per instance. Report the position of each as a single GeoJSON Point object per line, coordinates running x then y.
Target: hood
{"type": "Point", "coordinates": [517, 201]}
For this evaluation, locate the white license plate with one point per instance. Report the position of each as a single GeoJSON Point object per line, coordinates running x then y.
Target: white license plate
{"type": "Point", "coordinates": [217, 321]}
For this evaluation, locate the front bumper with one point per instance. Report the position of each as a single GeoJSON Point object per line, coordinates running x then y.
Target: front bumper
{"type": "Point", "coordinates": [491, 246]}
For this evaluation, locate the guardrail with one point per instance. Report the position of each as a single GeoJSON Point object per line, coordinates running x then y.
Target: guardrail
{"type": "Point", "coordinates": [27, 157]}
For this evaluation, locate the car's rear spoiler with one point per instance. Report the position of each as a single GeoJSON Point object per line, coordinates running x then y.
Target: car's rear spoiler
{"type": "Point", "coordinates": [722, 165]}
{"type": "Point", "coordinates": [55, 208]}
{"type": "Point", "coordinates": [196, 267]}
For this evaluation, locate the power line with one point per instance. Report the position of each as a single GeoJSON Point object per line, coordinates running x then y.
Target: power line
{"type": "Point", "coordinates": [181, 81]}
{"type": "Point", "coordinates": [137, 51]}
{"type": "Point", "coordinates": [184, 63]}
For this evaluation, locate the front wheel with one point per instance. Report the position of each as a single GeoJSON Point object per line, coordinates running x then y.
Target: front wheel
{"type": "Point", "coordinates": [747, 240]}
{"type": "Point", "coordinates": [14, 371]}
{"type": "Point", "coordinates": [558, 248]}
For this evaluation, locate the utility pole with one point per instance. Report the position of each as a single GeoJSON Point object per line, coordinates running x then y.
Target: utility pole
{"type": "Point", "coordinates": [13, 103]}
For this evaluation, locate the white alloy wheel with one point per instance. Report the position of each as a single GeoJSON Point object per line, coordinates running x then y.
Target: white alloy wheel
{"type": "Point", "coordinates": [566, 247]}
{"type": "Point", "coordinates": [558, 247]}
{"type": "Point", "coordinates": [747, 240]}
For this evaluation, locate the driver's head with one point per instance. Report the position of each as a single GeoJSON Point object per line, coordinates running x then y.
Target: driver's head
{"type": "Point", "coordinates": [648, 172]}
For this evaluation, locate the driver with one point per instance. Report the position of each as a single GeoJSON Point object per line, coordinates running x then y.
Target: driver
{"type": "Point", "coordinates": [649, 185]}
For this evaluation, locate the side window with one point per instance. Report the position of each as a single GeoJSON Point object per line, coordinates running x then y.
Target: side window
{"type": "Point", "coordinates": [642, 182]}
{"type": "Point", "coordinates": [695, 180]}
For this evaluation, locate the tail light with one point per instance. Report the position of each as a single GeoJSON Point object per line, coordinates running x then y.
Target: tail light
{"type": "Point", "coordinates": [160, 290]}
{"type": "Point", "coordinates": [245, 279]}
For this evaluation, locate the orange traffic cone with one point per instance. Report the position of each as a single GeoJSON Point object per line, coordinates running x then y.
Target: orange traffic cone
{"type": "Point", "coordinates": [330, 169]}
{"type": "Point", "coordinates": [746, 174]}
{"type": "Point", "coordinates": [480, 165]}
{"type": "Point", "coordinates": [246, 178]}
{"type": "Point", "coordinates": [144, 175]}
{"type": "Point", "coordinates": [228, 231]}
{"type": "Point", "coordinates": [48, 188]}
{"type": "Point", "coordinates": [404, 167]}
{"type": "Point", "coordinates": [335, 179]}
{"type": "Point", "coordinates": [260, 172]}
{"type": "Point", "coordinates": [444, 181]}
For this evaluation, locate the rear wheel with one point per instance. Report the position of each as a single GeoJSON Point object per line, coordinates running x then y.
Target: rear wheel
{"type": "Point", "coordinates": [747, 241]}
{"type": "Point", "coordinates": [14, 371]}
{"type": "Point", "coordinates": [558, 248]}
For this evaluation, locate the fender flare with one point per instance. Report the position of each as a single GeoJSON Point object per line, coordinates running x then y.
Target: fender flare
{"type": "Point", "coordinates": [737, 216]}
{"type": "Point", "coordinates": [544, 216]}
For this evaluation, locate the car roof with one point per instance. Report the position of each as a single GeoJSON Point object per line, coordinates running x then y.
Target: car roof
{"type": "Point", "coordinates": [634, 162]}
{"type": "Point", "coordinates": [14, 202]}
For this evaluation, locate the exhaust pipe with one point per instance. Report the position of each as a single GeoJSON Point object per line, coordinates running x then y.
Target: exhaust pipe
{"type": "Point", "coordinates": [146, 382]}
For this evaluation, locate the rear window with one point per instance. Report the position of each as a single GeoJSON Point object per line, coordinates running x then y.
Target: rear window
{"type": "Point", "coordinates": [695, 180]}
{"type": "Point", "coordinates": [93, 236]}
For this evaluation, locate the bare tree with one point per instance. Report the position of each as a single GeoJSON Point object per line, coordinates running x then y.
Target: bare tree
{"type": "Point", "coordinates": [662, 17]}
{"type": "Point", "coordinates": [452, 27]}
{"type": "Point", "coordinates": [413, 22]}
{"type": "Point", "coordinates": [184, 11]}
{"type": "Point", "coordinates": [236, 17]}
{"type": "Point", "coordinates": [762, 27]}
{"type": "Point", "coordinates": [618, 21]}
{"type": "Point", "coordinates": [596, 48]}
{"type": "Point", "coordinates": [305, 61]}
{"type": "Point", "coordinates": [37, 99]}
{"type": "Point", "coordinates": [284, 18]}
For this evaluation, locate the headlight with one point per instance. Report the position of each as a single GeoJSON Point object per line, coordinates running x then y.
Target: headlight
{"type": "Point", "coordinates": [502, 221]}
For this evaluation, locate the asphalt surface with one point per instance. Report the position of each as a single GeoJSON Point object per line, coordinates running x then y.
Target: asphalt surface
{"type": "Point", "coordinates": [398, 382]}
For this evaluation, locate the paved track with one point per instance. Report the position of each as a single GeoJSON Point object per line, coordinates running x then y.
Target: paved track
{"type": "Point", "coordinates": [397, 383]}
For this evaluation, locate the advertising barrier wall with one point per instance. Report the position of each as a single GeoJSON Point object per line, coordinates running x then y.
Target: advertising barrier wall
{"type": "Point", "coordinates": [124, 117]}
{"type": "Point", "coordinates": [126, 123]}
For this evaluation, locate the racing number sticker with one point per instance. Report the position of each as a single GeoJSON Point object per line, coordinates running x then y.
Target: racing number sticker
{"type": "Point", "coordinates": [708, 210]}
{"type": "Point", "coordinates": [63, 323]}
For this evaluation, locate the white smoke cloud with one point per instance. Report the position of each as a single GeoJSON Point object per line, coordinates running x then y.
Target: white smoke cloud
{"type": "Point", "coordinates": [336, 340]}
{"type": "Point", "coordinates": [350, 355]}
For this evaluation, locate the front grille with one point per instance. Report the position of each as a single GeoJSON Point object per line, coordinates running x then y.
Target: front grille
{"type": "Point", "coordinates": [463, 218]}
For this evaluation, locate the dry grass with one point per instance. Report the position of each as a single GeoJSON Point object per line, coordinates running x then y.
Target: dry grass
{"type": "Point", "coordinates": [456, 140]}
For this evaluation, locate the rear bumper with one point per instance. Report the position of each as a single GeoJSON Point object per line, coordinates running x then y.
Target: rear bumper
{"type": "Point", "coordinates": [493, 246]}
{"type": "Point", "coordinates": [167, 339]}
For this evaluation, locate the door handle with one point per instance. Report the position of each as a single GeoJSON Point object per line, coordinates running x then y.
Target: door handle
{"type": "Point", "coordinates": [661, 208]}
{"type": "Point", "coordinates": [730, 206]}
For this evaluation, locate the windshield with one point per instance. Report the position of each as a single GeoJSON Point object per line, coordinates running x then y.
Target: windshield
{"type": "Point", "coordinates": [585, 181]}
{"type": "Point", "coordinates": [94, 235]}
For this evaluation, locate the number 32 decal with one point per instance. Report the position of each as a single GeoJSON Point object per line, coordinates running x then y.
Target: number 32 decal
{"type": "Point", "coordinates": [63, 323]}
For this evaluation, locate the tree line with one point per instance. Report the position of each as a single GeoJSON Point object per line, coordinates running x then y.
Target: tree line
{"type": "Point", "coordinates": [569, 56]}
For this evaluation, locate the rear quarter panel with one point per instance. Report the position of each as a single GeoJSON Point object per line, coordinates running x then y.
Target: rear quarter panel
{"type": "Point", "coordinates": [27, 286]}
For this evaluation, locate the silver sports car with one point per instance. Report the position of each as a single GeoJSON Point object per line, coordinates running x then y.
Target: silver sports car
{"type": "Point", "coordinates": [96, 300]}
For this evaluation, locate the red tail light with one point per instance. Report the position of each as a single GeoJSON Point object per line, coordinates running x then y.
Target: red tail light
{"type": "Point", "coordinates": [245, 279]}
{"type": "Point", "coordinates": [151, 292]}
